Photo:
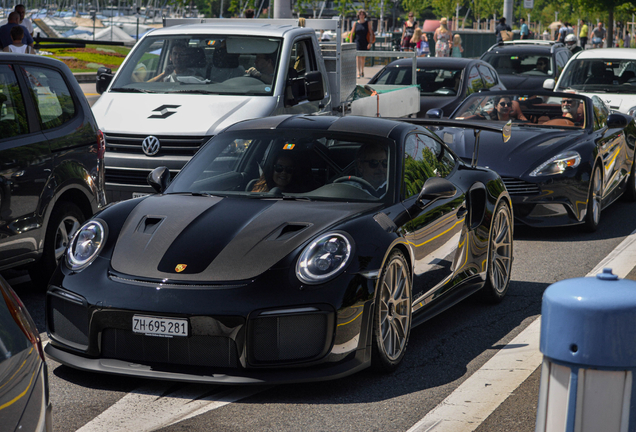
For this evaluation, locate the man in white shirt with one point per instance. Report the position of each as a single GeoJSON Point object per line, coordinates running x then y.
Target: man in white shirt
{"type": "Point", "coordinates": [26, 22]}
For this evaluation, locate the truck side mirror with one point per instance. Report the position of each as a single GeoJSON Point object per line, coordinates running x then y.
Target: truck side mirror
{"type": "Point", "coordinates": [104, 77]}
{"type": "Point", "coordinates": [313, 86]}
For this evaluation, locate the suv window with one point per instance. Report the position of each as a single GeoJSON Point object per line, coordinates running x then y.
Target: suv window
{"type": "Point", "coordinates": [13, 120]}
{"type": "Point", "coordinates": [475, 82]}
{"type": "Point", "coordinates": [51, 95]}
{"type": "Point", "coordinates": [489, 78]}
{"type": "Point", "coordinates": [510, 62]}
{"type": "Point", "coordinates": [601, 112]}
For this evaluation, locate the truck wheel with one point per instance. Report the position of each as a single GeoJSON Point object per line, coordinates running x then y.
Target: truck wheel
{"type": "Point", "coordinates": [65, 220]}
{"type": "Point", "coordinates": [392, 314]}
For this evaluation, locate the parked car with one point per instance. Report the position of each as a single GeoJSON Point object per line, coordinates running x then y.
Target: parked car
{"type": "Point", "coordinates": [51, 162]}
{"type": "Point", "coordinates": [24, 385]}
{"type": "Point", "coordinates": [609, 73]}
{"type": "Point", "coordinates": [288, 249]}
{"type": "Point", "coordinates": [524, 65]}
{"type": "Point", "coordinates": [444, 82]}
{"type": "Point", "coordinates": [566, 156]}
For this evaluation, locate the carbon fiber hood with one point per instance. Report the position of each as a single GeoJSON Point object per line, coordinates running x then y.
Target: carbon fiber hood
{"type": "Point", "coordinates": [218, 239]}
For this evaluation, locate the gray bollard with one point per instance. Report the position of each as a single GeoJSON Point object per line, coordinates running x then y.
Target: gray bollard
{"type": "Point", "coordinates": [588, 341]}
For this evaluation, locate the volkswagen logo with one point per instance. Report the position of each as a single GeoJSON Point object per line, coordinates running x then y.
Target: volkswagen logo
{"type": "Point", "coordinates": [150, 145]}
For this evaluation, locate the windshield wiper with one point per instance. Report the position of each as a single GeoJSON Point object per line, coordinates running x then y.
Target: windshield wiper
{"type": "Point", "coordinates": [130, 90]}
{"type": "Point", "coordinates": [194, 91]}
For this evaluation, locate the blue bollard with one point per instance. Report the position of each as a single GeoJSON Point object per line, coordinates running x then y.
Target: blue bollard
{"type": "Point", "coordinates": [588, 341]}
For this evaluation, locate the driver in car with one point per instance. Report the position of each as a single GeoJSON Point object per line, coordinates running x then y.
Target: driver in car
{"type": "Point", "coordinates": [179, 60]}
{"type": "Point", "coordinates": [371, 166]}
{"type": "Point", "coordinates": [263, 68]}
{"type": "Point", "coordinates": [570, 110]}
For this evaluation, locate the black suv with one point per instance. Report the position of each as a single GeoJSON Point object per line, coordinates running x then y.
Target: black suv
{"type": "Point", "coordinates": [526, 64]}
{"type": "Point", "coordinates": [51, 162]}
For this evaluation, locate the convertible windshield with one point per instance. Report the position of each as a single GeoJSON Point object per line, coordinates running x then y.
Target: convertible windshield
{"type": "Point", "coordinates": [560, 110]}
{"type": "Point", "coordinates": [207, 64]}
{"type": "Point", "coordinates": [603, 76]}
{"type": "Point", "coordinates": [296, 164]}
{"type": "Point", "coordinates": [433, 81]}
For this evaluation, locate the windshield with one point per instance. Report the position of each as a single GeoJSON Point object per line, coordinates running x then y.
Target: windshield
{"type": "Point", "coordinates": [432, 81]}
{"type": "Point", "coordinates": [207, 64]}
{"type": "Point", "coordinates": [532, 64]}
{"type": "Point", "coordinates": [564, 110]}
{"type": "Point", "coordinates": [603, 76]}
{"type": "Point", "coordinates": [292, 164]}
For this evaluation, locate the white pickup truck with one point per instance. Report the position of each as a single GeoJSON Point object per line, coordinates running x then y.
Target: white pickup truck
{"type": "Point", "coordinates": [184, 83]}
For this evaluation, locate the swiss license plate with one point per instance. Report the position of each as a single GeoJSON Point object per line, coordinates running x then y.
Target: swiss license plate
{"type": "Point", "coordinates": [159, 326]}
{"type": "Point", "coordinates": [139, 194]}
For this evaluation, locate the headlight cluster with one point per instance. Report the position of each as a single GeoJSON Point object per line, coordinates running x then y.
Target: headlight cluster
{"type": "Point", "coordinates": [86, 245]}
{"type": "Point", "coordinates": [324, 258]}
{"type": "Point", "coordinates": [558, 164]}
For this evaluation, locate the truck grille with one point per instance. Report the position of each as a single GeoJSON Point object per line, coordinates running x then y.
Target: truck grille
{"type": "Point", "coordinates": [516, 186]}
{"type": "Point", "coordinates": [170, 145]}
{"type": "Point", "coordinates": [135, 177]}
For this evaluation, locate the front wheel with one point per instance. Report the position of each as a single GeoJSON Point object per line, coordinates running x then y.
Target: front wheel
{"type": "Point", "coordinates": [499, 255]}
{"type": "Point", "coordinates": [593, 214]}
{"type": "Point", "coordinates": [392, 314]}
{"type": "Point", "coordinates": [630, 189]}
{"type": "Point", "coordinates": [65, 220]}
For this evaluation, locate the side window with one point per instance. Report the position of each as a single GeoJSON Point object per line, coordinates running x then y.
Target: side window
{"type": "Point", "coordinates": [601, 112]}
{"type": "Point", "coordinates": [51, 95]}
{"type": "Point", "coordinates": [561, 60]}
{"type": "Point", "coordinates": [13, 120]}
{"type": "Point", "coordinates": [474, 81]}
{"type": "Point", "coordinates": [302, 60]}
{"type": "Point", "coordinates": [487, 76]}
{"type": "Point", "coordinates": [424, 157]}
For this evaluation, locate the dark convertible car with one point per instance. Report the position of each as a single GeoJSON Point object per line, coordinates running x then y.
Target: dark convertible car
{"type": "Point", "coordinates": [566, 156]}
{"type": "Point", "coordinates": [288, 249]}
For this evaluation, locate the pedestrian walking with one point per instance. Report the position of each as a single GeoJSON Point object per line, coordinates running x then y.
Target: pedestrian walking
{"type": "Point", "coordinates": [421, 43]}
{"type": "Point", "coordinates": [523, 32]}
{"type": "Point", "coordinates": [598, 36]}
{"type": "Point", "coordinates": [502, 27]}
{"type": "Point", "coordinates": [583, 34]}
{"type": "Point", "coordinates": [362, 35]}
{"type": "Point", "coordinates": [5, 31]}
{"type": "Point", "coordinates": [443, 39]}
{"type": "Point", "coordinates": [627, 42]}
{"type": "Point", "coordinates": [25, 22]}
{"type": "Point", "coordinates": [407, 32]}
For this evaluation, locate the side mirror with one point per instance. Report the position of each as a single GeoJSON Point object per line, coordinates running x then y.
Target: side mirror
{"type": "Point", "coordinates": [104, 77]}
{"type": "Point", "coordinates": [159, 179]}
{"type": "Point", "coordinates": [435, 113]}
{"type": "Point", "coordinates": [435, 188]}
{"type": "Point", "coordinates": [549, 84]}
{"type": "Point", "coordinates": [616, 121]}
{"type": "Point", "coordinates": [313, 86]}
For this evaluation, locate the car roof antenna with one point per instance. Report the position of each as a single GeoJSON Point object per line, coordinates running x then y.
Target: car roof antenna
{"type": "Point", "coordinates": [473, 163]}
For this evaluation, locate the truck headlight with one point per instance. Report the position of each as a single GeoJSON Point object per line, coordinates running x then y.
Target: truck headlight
{"type": "Point", "coordinates": [86, 244]}
{"type": "Point", "coordinates": [558, 164]}
{"type": "Point", "coordinates": [324, 258]}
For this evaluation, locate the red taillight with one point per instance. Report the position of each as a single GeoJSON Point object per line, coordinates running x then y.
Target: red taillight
{"type": "Point", "coordinates": [101, 145]}
{"type": "Point", "coordinates": [21, 315]}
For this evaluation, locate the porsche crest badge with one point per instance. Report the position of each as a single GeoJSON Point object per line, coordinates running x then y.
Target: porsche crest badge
{"type": "Point", "coordinates": [180, 267]}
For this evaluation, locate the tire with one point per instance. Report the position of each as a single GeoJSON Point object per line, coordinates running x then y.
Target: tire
{"type": "Point", "coordinates": [500, 247]}
{"type": "Point", "coordinates": [65, 220]}
{"type": "Point", "coordinates": [392, 314]}
{"type": "Point", "coordinates": [630, 188]}
{"type": "Point", "coordinates": [594, 197]}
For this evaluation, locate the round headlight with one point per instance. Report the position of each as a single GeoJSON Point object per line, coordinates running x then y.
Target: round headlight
{"type": "Point", "coordinates": [85, 246]}
{"type": "Point", "coordinates": [324, 258]}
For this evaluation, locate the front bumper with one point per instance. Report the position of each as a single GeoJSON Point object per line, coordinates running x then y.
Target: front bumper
{"type": "Point", "coordinates": [237, 334]}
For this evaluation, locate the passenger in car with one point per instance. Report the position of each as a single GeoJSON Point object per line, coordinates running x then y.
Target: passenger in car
{"type": "Point", "coordinates": [282, 175]}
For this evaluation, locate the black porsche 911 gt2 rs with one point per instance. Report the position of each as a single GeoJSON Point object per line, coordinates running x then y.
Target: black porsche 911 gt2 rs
{"type": "Point", "coordinates": [291, 248]}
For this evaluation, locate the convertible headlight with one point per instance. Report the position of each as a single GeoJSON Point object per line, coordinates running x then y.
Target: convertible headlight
{"type": "Point", "coordinates": [324, 258]}
{"type": "Point", "coordinates": [558, 164]}
{"type": "Point", "coordinates": [85, 246]}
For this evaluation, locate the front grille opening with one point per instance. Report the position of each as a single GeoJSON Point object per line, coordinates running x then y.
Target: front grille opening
{"type": "Point", "coordinates": [68, 321]}
{"type": "Point", "coordinates": [289, 338]}
{"type": "Point", "coordinates": [517, 186]}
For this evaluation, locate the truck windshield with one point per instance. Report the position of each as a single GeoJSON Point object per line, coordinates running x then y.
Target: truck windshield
{"type": "Point", "coordinates": [210, 64]}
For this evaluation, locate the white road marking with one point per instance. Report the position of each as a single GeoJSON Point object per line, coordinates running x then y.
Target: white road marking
{"type": "Point", "coordinates": [477, 397]}
{"type": "Point", "coordinates": [149, 408]}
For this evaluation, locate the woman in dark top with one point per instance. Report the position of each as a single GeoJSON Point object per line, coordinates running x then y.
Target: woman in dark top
{"type": "Point", "coordinates": [362, 35]}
